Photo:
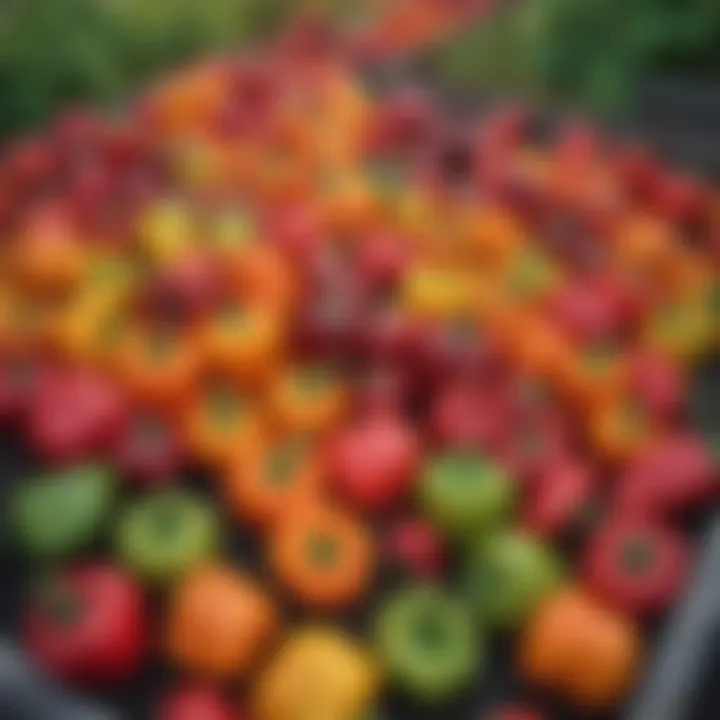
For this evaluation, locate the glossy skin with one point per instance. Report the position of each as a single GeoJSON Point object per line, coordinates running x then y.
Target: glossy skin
{"type": "Point", "coordinates": [195, 703]}
{"type": "Point", "coordinates": [104, 641]}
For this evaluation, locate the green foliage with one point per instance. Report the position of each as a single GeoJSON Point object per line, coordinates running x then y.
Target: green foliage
{"type": "Point", "coordinates": [58, 51]}
{"type": "Point", "coordinates": [592, 52]}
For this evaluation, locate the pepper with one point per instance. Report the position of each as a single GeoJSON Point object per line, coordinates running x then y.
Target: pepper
{"type": "Point", "coordinates": [466, 415]}
{"type": "Point", "coordinates": [147, 447]}
{"type": "Point", "coordinates": [373, 462]}
{"type": "Point", "coordinates": [674, 475]}
{"type": "Point", "coordinates": [437, 293]}
{"type": "Point", "coordinates": [220, 421]}
{"type": "Point", "coordinates": [88, 625]}
{"type": "Point", "coordinates": [682, 329]}
{"type": "Point", "coordinates": [163, 536]}
{"type": "Point", "coordinates": [416, 547]}
{"type": "Point", "coordinates": [636, 567]}
{"type": "Point", "coordinates": [658, 383]}
{"type": "Point", "coordinates": [319, 672]}
{"type": "Point", "coordinates": [261, 484]}
{"type": "Point", "coordinates": [195, 703]}
{"type": "Point", "coordinates": [561, 500]}
{"type": "Point", "coordinates": [508, 576]}
{"type": "Point", "coordinates": [58, 514]}
{"type": "Point", "coordinates": [307, 400]}
{"type": "Point", "coordinates": [219, 623]}
{"type": "Point", "coordinates": [244, 342]}
{"type": "Point", "coordinates": [166, 231]}
{"type": "Point", "coordinates": [427, 642]}
{"type": "Point", "coordinates": [157, 364]}
{"type": "Point", "coordinates": [465, 494]}
{"type": "Point", "coordinates": [19, 371]}
{"type": "Point", "coordinates": [621, 429]}
{"type": "Point", "coordinates": [577, 648]}
{"type": "Point", "coordinates": [46, 256]}
{"type": "Point", "coordinates": [530, 279]}
{"type": "Point", "coordinates": [323, 556]}
{"type": "Point", "coordinates": [597, 375]}
{"type": "Point", "coordinates": [513, 712]}
{"type": "Point", "coordinates": [73, 415]}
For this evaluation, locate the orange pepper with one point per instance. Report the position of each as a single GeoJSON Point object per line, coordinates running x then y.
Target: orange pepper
{"type": "Point", "coordinates": [537, 348]}
{"type": "Point", "coordinates": [182, 105]}
{"type": "Point", "coordinates": [348, 202]}
{"type": "Point", "coordinates": [494, 236]}
{"type": "Point", "coordinates": [220, 623]}
{"type": "Point", "coordinates": [156, 364]}
{"type": "Point", "coordinates": [47, 257]}
{"type": "Point", "coordinates": [581, 650]}
{"type": "Point", "coordinates": [322, 556]}
{"type": "Point", "coordinates": [307, 400]}
{"type": "Point", "coordinates": [244, 342]}
{"type": "Point", "coordinates": [220, 422]}
{"type": "Point", "coordinates": [262, 483]}
{"type": "Point", "coordinates": [264, 278]}
{"type": "Point", "coordinates": [620, 429]}
{"type": "Point", "coordinates": [595, 375]}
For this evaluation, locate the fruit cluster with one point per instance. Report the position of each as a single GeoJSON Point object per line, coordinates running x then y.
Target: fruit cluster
{"type": "Point", "coordinates": [390, 342]}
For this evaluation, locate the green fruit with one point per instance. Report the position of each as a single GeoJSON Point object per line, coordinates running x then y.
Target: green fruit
{"type": "Point", "coordinates": [428, 643]}
{"type": "Point", "coordinates": [465, 494]}
{"type": "Point", "coordinates": [508, 575]}
{"type": "Point", "coordinates": [59, 514]}
{"type": "Point", "coordinates": [162, 537]}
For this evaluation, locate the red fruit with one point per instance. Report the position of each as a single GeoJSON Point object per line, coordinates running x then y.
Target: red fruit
{"type": "Point", "coordinates": [562, 494]}
{"type": "Point", "coordinates": [381, 260]}
{"type": "Point", "coordinates": [659, 384]}
{"type": "Point", "coordinates": [637, 171]}
{"type": "Point", "coordinates": [18, 377]}
{"type": "Point", "coordinates": [195, 703]}
{"type": "Point", "coordinates": [313, 38]}
{"type": "Point", "coordinates": [391, 336]}
{"type": "Point", "coordinates": [297, 230]}
{"type": "Point", "coordinates": [578, 144]}
{"type": "Point", "coordinates": [372, 464]}
{"type": "Point", "coordinates": [89, 626]}
{"type": "Point", "coordinates": [584, 313]}
{"type": "Point", "coordinates": [680, 199]}
{"type": "Point", "coordinates": [464, 415]}
{"type": "Point", "coordinates": [147, 448]}
{"type": "Point", "coordinates": [406, 123]}
{"type": "Point", "coordinates": [637, 568]}
{"type": "Point", "coordinates": [417, 547]}
{"type": "Point", "coordinates": [189, 289]}
{"type": "Point", "coordinates": [74, 414]}
{"type": "Point", "coordinates": [676, 475]}
{"type": "Point", "coordinates": [382, 389]}
{"type": "Point", "coordinates": [29, 164]}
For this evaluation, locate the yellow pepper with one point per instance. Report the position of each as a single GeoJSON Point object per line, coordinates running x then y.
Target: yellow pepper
{"type": "Point", "coordinates": [439, 293]}
{"type": "Point", "coordinates": [166, 231]}
{"type": "Point", "coordinates": [319, 674]}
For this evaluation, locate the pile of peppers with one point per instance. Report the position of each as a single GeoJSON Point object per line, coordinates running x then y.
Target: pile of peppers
{"type": "Point", "coordinates": [434, 372]}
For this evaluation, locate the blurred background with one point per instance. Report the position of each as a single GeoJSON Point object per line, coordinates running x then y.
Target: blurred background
{"type": "Point", "coordinates": [590, 53]}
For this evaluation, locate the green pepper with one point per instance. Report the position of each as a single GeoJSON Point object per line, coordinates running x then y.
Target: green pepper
{"type": "Point", "coordinates": [428, 643]}
{"type": "Point", "coordinates": [58, 514]}
{"type": "Point", "coordinates": [465, 494]}
{"type": "Point", "coordinates": [508, 575]}
{"type": "Point", "coordinates": [164, 536]}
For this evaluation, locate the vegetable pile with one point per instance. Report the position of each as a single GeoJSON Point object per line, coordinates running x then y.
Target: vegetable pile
{"type": "Point", "coordinates": [395, 346]}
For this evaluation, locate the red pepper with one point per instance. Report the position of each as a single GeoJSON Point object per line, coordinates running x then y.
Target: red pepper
{"type": "Point", "coordinates": [195, 703]}
{"type": "Point", "coordinates": [561, 497]}
{"type": "Point", "coordinates": [381, 259]}
{"type": "Point", "coordinates": [658, 383]}
{"type": "Point", "coordinates": [74, 415]}
{"type": "Point", "coordinates": [18, 377]}
{"type": "Point", "coordinates": [88, 625]}
{"type": "Point", "coordinates": [373, 462]}
{"type": "Point", "coordinates": [147, 448]}
{"type": "Point", "coordinates": [466, 415]}
{"type": "Point", "coordinates": [637, 567]}
{"type": "Point", "coordinates": [417, 547]}
{"type": "Point", "coordinates": [186, 290]}
{"type": "Point", "coordinates": [584, 312]}
{"type": "Point", "coordinates": [536, 433]}
{"type": "Point", "coordinates": [677, 474]}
